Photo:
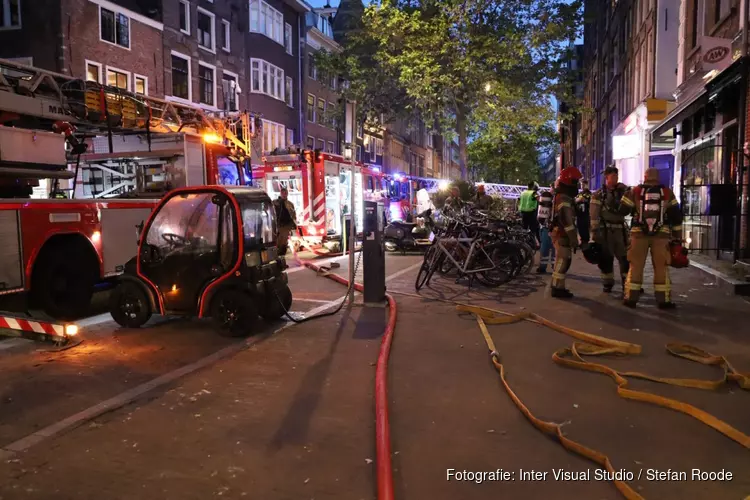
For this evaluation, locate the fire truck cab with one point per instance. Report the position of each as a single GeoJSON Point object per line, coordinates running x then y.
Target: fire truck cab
{"type": "Point", "coordinates": [318, 185]}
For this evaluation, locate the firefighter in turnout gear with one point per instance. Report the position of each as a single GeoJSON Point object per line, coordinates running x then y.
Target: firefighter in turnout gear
{"type": "Point", "coordinates": [286, 220]}
{"type": "Point", "coordinates": [564, 233]}
{"type": "Point", "coordinates": [609, 230]}
{"type": "Point", "coordinates": [657, 220]}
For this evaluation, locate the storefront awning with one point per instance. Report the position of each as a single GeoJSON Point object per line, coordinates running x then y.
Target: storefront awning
{"type": "Point", "coordinates": [681, 112]}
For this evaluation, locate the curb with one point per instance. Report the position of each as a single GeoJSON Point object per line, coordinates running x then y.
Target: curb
{"type": "Point", "coordinates": [725, 283]}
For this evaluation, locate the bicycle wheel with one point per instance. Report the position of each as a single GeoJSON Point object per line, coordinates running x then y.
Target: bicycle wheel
{"type": "Point", "coordinates": [428, 267]}
{"type": "Point", "coordinates": [507, 259]}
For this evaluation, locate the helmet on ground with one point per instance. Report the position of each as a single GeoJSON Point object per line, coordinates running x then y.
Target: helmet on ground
{"type": "Point", "coordinates": [570, 176]}
{"type": "Point", "coordinates": [480, 189]}
{"type": "Point", "coordinates": [592, 252]}
{"type": "Point", "coordinates": [679, 255]}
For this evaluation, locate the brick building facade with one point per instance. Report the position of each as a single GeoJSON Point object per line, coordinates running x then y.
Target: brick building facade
{"type": "Point", "coordinates": [117, 43]}
{"type": "Point", "coordinates": [204, 53]}
{"type": "Point", "coordinates": [321, 99]}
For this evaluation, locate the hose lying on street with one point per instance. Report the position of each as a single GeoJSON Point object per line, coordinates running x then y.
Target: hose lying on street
{"type": "Point", "coordinates": [594, 345]}
{"type": "Point", "coordinates": [321, 272]}
{"type": "Point", "coordinates": [382, 424]}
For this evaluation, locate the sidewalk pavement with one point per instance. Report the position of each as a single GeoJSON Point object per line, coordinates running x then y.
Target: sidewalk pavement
{"type": "Point", "coordinates": [292, 417]}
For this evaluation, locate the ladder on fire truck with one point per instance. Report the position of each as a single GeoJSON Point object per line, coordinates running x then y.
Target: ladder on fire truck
{"type": "Point", "coordinates": [506, 191]}
{"type": "Point", "coordinates": [33, 98]}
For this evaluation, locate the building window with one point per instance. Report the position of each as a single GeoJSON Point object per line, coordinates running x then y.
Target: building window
{"type": "Point", "coordinates": [114, 27]}
{"type": "Point", "coordinates": [266, 20]}
{"type": "Point", "coordinates": [181, 76]}
{"type": "Point", "coordinates": [274, 136]}
{"type": "Point", "coordinates": [331, 115]}
{"type": "Point", "coordinates": [694, 25]}
{"type": "Point", "coordinates": [322, 119]}
{"type": "Point", "coordinates": [10, 13]}
{"type": "Point", "coordinates": [184, 17]}
{"type": "Point", "coordinates": [226, 34]}
{"type": "Point", "coordinates": [289, 92]}
{"type": "Point", "coordinates": [379, 147]}
{"type": "Point", "coordinates": [310, 144]}
{"type": "Point", "coordinates": [206, 30]}
{"type": "Point", "coordinates": [93, 72]}
{"type": "Point", "coordinates": [230, 90]}
{"type": "Point", "coordinates": [289, 137]}
{"type": "Point", "coordinates": [140, 84]}
{"type": "Point", "coordinates": [118, 78]}
{"type": "Point", "coordinates": [311, 108]}
{"type": "Point", "coordinates": [321, 144]}
{"type": "Point", "coordinates": [288, 39]}
{"type": "Point", "coordinates": [329, 147]}
{"type": "Point", "coordinates": [267, 79]}
{"type": "Point", "coordinates": [207, 80]}
{"type": "Point", "coordinates": [312, 72]}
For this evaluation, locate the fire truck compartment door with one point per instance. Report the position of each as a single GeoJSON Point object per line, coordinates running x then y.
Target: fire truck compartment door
{"type": "Point", "coordinates": [11, 275]}
{"type": "Point", "coordinates": [120, 236]}
{"type": "Point", "coordinates": [19, 146]}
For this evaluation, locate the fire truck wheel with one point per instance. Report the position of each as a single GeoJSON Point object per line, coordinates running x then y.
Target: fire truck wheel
{"type": "Point", "coordinates": [234, 313]}
{"type": "Point", "coordinates": [63, 281]}
{"type": "Point", "coordinates": [129, 305]}
{"type": "Point", "coordinates": [274, 309]}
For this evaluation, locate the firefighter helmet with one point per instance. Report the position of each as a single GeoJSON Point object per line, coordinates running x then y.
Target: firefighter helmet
{"type": "Point", "coordinates": [570, 176]}
{"type": "Point", "coordinates": [679, 255]}
{"type": "Point", "coordinates": [592, 252]}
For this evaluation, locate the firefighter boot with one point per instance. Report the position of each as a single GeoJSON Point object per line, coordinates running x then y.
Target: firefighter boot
{"type": "Point", "coordinates": [562, 264]}
{"type": "Point", "coordinates": [662, 287]}
{"type": "Point", "coordinates": [561, 293]}
{"type": "Point", "coordinates": [606, 268]}
{"type": "Point", "coordinates": [637, 257]}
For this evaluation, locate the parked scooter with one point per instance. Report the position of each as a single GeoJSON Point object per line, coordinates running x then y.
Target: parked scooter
{"type": "Point", "coordinates": [404, 236]}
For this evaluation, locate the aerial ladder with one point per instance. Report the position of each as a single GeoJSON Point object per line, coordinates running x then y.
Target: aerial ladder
{"type": "Point", "coordinates": [41, 100]}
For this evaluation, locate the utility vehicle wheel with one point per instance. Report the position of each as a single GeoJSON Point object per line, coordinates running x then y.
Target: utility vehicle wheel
{"type": "Point", "coordinates": [63, 281]}
{"type": "Point", "coordinates": [129, 305]}
{"type": "Point", "coordinates": [274, 309]}
{"type": "Point", "coordinates": [234, 313]}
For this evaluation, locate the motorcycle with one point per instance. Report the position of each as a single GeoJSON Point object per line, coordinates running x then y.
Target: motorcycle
{"type": "Point", "coordinates": [403, 236]}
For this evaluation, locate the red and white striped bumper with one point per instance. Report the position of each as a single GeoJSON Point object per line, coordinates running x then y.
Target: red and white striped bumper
{"type": "Point", "coordinates": [28, 326]}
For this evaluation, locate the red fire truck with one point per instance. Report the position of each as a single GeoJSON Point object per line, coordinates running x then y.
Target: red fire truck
{"type": "Point", "coordinates": [122, 149]}
{"type": "Point", "coordinates": [319, 187]}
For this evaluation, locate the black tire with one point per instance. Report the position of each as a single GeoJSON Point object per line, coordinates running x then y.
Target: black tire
{"type": "Point", "coordinates": [508, 260]}
{"type": "Point", "coordinates": [64, 279]}
{"type": "Point", "coordinates": [428, 267]}
{"type": "Point", "coordinates": [129, 305]}
{"type": "Point", "coordinates": [274, 309]}
{"type": "Point", "coordinates": [234, 312]}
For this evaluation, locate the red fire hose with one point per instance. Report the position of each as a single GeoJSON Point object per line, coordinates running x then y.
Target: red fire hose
{"type": "Point", "coordinates": [382, 426]}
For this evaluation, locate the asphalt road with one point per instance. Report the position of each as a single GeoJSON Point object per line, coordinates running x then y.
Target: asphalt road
{"type": "Point", "coordinates": [42, 384]}
{"type": "Point", "coordinates": [289, 415]}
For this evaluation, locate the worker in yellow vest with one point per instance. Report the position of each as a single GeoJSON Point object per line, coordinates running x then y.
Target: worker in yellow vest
{"type": "Point", "coordinates": [527, 205]}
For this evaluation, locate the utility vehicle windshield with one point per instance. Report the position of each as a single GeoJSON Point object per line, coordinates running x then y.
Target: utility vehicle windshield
{"type": "Point", "coordinates": [259, 223]}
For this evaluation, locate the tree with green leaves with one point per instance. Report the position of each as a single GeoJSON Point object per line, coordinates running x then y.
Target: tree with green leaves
{"type": "Point", "coordinates": [474, 66]}
{"type": "Point", "coordinates": [513, 159]}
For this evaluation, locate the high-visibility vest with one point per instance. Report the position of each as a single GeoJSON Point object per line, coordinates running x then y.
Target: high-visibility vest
{"type": "Point", "coordinates": [527, 203]}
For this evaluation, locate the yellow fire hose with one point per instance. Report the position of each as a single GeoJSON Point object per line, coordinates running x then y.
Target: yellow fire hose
{"type": "Point", "coordinates": [595, 345]}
